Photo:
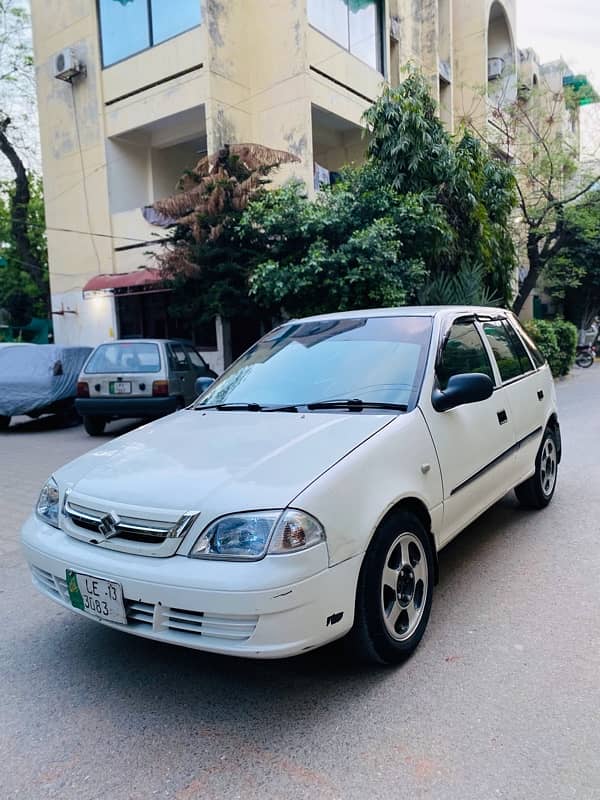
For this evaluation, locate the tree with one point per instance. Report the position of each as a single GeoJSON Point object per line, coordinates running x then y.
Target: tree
{"type": "Point", "coordinates": [573, 275]}
{"type": "Point", "coordinates": [25, 246]}
{"type": "Point", "coordinates": [204, 259]}
{"type": "Point", "coordinates": [530, 134]}
{"type": "Point", "coordinates": [354, 246]}
{"type": "Point", "coordinates": [23, 293]}
{"type": "Point", "coordinates": [424, 206]}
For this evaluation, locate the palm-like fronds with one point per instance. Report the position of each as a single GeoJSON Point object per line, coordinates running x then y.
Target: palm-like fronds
{"type": "Point", "coordinates": [222, 182]}
{"type": "Point", "coordinates": [466, 287]}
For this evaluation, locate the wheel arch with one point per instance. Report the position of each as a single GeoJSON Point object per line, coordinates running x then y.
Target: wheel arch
{"type": "Point", "coordinates": [417, 507]}
{"type": "Point", "coordinates": [554, 426]}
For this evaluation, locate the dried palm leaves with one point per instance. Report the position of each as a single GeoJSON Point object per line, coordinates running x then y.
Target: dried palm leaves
{"type": "Point", "coordinates": [222, 182]}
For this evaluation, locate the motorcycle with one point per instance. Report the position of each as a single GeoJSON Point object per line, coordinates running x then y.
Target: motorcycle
{"type": "Point", "coordinates": [586, 356]}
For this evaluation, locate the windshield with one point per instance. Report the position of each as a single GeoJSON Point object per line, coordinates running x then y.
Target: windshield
{"type": "Point", "coordinates": [376, 359]}
{"type": "Point", "coordinates": [124, 357]}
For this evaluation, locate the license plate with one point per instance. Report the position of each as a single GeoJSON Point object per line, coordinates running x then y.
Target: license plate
{"type": "Point", "coordinates": [97, 597]}
{"type": "Point", "coordinates": [120, 387]}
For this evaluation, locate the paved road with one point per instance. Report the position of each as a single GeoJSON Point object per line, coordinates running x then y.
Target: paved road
{"type": "Point", "coordinates": [502, 699]}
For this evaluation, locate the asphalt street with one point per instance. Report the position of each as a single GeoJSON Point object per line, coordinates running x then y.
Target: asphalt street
{"type": "Point", "coordinates": [501, 700]}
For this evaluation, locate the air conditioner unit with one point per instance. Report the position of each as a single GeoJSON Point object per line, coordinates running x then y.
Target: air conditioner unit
{"type": "Point", "coordinates": [67, 65]}
{"type": "Point", "coordinates": [495, 68]}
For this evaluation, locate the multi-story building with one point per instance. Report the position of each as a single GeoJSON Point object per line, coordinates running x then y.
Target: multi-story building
{"type": "Point", "coordinates": [154, 84]}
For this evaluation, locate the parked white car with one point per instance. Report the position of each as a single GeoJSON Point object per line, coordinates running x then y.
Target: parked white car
{"type": "Point", "coordinates": [306, 494]}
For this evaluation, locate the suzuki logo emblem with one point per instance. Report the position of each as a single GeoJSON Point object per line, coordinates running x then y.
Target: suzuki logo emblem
{"type": "Point", "coordinates": [109, 525]}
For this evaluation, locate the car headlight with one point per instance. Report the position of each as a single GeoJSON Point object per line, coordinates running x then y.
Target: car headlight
{"type": "Point", "coordinates": [249, 536]}
{"type": "Point", "coordinates": [48, 503]}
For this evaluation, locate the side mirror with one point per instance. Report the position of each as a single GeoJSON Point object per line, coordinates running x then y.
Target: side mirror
{"type": "Point", "coordinates": [461, 390]}
{"type": "Point", "coordinates": [202, 385]}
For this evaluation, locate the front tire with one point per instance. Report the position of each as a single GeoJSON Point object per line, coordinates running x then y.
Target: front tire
{"type": "Point", "coordinates": [538, 491]}
{"type": "Point", "coordinates": [584, 360]}
{"type": "Point", "coordinates": [4, 422]}
{"type": "Point", "coordinates": [94, 426]}
{"type": "Point", "coordinates": [395, 591]}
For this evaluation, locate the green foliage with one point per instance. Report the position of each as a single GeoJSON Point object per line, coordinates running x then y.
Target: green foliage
{"type": "Point", "coordinates": [22, 294]}
{"type": "Point", "coordinates": [467, 287]}
{"type": "Point", "coordinates": [406, 138]}
{"type": "Point", "coordinates": [543, 334]}
{"type": "Point", "coordinates": [476, 192]}
{"type": "Point", "coordinates": [423, 208]}
{"type": "Point", "coordinates": [218, 285]}
{"type": "Point", "coordinates": [566, 338]}
{"type": "Point", "coordinates": [207, 262]}
{"type": "Point", "coordinates": [354, 246]}
{"type": "Point", "coordinates": [573, 276]}
{"type": "Point", "coordinates": [557, 342]}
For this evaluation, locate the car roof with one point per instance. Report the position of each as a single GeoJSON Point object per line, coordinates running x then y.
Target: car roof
{"type": "Point", "coordinates": [146, 341]}
{"type": "Point", "coordinates": [407, 311]}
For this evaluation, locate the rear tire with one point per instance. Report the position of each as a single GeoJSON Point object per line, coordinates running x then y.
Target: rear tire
{"type": "Point", "coordinates": [4, 423]}
{"type": "Point", "coordinates": [395, 591]}
{"type": "Point", "coordinates": [94, 426]}
{"type": "Point", "coordinates": [584, 360]}
{"type": "Point", "coordinates": [538, 491]}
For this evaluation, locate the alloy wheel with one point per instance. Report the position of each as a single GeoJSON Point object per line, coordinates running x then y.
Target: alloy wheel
{"type": "Point", "coordinates": [548, 465]}
{"type": "Point", "coordinates": [404, 584]}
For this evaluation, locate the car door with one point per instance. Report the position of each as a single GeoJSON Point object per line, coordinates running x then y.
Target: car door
{"type": "Point", "coordinates": [528, 390]}
{"type": "Point", "coordinates": [475, 442]}
{"type": "Point", "coordinates": [183, 376]}
{"type": "Point", "coordinates": [199, 366]}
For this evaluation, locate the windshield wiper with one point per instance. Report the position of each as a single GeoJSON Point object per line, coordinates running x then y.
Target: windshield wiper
{"type": "Point", "coordinates": [356, 405]}
{"type": "Point", "coordinates": [245, 407]}
{"type": "Point", "coordinates": [231, 407]}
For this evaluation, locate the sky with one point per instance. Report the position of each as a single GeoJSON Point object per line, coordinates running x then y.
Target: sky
{"type": "Point", "coordinates": [571, 29]}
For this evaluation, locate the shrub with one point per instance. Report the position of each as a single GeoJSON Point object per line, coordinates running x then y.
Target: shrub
{"type": "Point", "coordinates": [557, 342]}
{"type": "Point", "coordinates": [566, 337]}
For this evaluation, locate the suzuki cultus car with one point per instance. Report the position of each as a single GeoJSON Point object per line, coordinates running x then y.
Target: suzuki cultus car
{"type": "Point", "coordinates": [305, 495]}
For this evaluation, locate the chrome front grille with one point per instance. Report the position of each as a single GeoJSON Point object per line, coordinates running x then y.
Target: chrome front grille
{"type": "Point", "coordinates": [128, 528]}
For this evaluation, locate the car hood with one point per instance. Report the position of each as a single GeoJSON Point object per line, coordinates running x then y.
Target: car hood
{"type": "Point", "coordinates": [234, 460]}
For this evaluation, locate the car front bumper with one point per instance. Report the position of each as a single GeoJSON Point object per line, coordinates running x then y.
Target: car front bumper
{"type": "Point", "coordinates": [280, 614]}
{"type": "Point", "coordinates": [121, 407]}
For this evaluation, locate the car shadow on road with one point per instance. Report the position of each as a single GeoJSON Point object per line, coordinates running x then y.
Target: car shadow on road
{"type": "Point", "coordinates": [54, 422]}
{"type": "Point", "coordinates": [145, 684]}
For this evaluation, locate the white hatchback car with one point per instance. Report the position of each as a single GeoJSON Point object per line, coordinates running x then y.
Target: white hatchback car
{"type": "Point", "coordinates": [306, 494]}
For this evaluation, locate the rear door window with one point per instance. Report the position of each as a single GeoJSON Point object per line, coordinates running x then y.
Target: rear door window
{"type": "Point", "coordinates": [178, 358]}
{"type": "Point", "coordinates": [509, 352]}
{"type": "Point", "coordinates": [537, 358]}
{"type": "Point", "coordinates": [195, 358]}
{"type": "Point", "coordinates": [463, 353]}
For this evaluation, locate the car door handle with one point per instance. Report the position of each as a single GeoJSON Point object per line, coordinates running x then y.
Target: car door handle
{"type": "Point", "coordinates": [540, 395]}
{"type": "Point", "coordinates": [502, 417]}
